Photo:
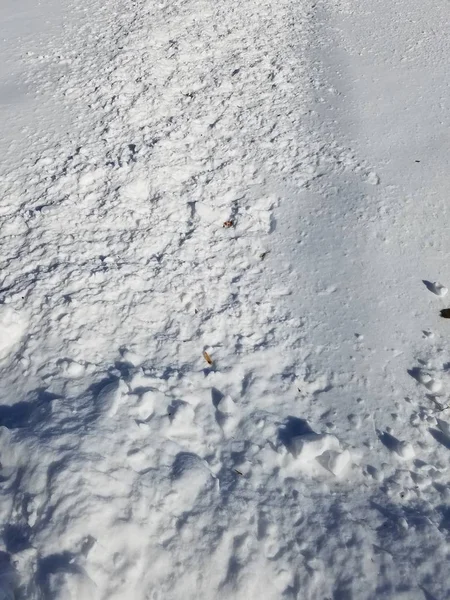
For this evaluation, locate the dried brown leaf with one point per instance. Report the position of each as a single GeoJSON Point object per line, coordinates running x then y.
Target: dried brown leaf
{"type": "Point", "coordinates": [207, 357]}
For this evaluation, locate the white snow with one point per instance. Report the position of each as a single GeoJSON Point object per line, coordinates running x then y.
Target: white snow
{"type": "Point", "coordinates": [438, 289]}
{"type": "Point", "coordinates": [12, 328]}
{"type": "Point", "coordinates": [406, 450]}
{"type": "Point", "coordinates": [222, 373]}
{"type": "Point", "coordinates": [429, 382]}
{"type": "Point", "coordinates": [336, 462]}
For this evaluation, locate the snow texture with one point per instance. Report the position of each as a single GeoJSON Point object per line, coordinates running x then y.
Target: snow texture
{"type": "Point", "coordinates": [223, 373]}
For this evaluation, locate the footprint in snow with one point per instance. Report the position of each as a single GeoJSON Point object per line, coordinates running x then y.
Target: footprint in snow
{"type": "Point", "coordinates": [191, 479]}
{"type": "Point", "coordinates": [227, 414]}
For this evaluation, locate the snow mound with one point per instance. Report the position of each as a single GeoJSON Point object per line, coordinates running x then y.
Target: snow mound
{"type": "Point", "coordinates": [12, 328]}
{"type": "Point", "coordinates": [437, 288]}
{"type": "Point", "coordinates": [323, 447]}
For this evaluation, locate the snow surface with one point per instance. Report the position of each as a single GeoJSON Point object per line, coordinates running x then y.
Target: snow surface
{"type": "Point", "coordinates": [259, 186]}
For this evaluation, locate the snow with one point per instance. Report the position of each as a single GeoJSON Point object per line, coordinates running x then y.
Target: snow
{"type": "Point", "coordinates": [12, 327]}
{"type": "Point", "coordinates": [437, 288]}
{"type": "Point", "coordinates": [223, 372]}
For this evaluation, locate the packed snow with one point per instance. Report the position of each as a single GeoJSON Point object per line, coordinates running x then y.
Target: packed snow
{"type": "Point", "coordinates": [223, 275]}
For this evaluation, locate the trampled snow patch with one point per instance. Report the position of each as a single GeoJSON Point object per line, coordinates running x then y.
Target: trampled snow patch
{"type": "Point", "coordinates": [221, 376]}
